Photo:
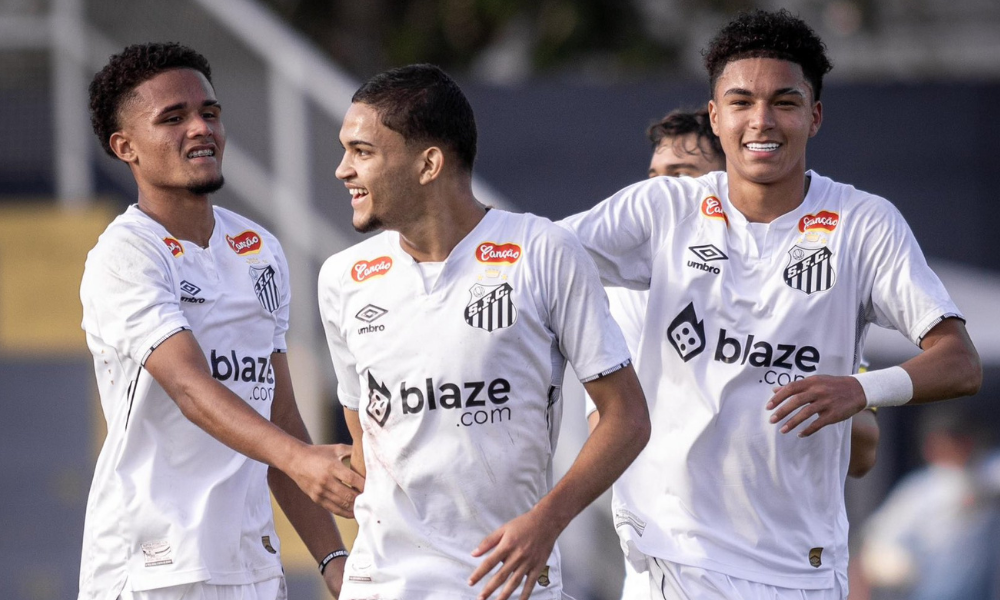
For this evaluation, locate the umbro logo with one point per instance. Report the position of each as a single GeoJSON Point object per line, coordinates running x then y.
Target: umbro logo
{"type": "Point", "coordinates": [707, 253]}
{"type": "Point", "coordinates": [369, 314]}
{"type": "Point", "coordinates": [192, 290]}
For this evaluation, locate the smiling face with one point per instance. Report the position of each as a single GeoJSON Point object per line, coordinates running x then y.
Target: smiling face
{"type": "Point", "coordinates": [379, 169]}
{"type": "Point", "coordinates": [763, 111]}
{"type": "Point", "coordinates": [684, 156]}
{"type": "Point", "coordinates": [172, 134]}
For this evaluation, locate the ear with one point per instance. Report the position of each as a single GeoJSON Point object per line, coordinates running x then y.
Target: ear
{"type": "Point", "coordinates": [122, 147]}
{"type": "Point", "coordinates": [713, 117]}
{"type": "Point", "coordinates": [431, 163]}
{"type": "Point", "coordinates": [817, 118]}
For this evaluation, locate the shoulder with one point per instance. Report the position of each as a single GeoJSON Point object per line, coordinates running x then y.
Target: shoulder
{"type": "Point", "coordinates": [241, 229]}
{"type": "Point", "coordinates": [536, 234]}
{"type": "Point", "coordinates": [358, 262]}
{"type": "Point", "coordinates": [858, 209]}
{"type": "Point", "coordinates": [131, 235]}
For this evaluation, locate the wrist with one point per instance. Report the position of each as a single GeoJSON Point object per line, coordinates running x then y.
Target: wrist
{"type": "Point", "coordinates": [329, 558]}
{"type": "Point", "coordinates": [886, 387]}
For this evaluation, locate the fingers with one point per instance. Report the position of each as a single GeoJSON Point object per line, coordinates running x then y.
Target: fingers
{"type": "Point", "coordinates": [488, 542]}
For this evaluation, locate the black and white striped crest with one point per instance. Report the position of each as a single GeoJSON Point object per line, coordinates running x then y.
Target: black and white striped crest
{"type": "Point", "coordinates": [491, 307]}
{"type": "Point", "coordinates": [265, 286]}
{"type": "Point", "coordinates": [810, 270]}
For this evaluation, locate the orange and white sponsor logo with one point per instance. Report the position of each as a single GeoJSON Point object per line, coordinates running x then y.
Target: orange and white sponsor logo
{"type": "Point", "coordinates": [491, 252]}
{"type": "Point", "coordinates": [175, 247]}
{"type": "Point", "coordinates": [824, 219]}
{"type": "Point", "coordinates": [711, 207]}
{"type": "Point", "coordinates": [366, 269]}
{"type": "Point", "coordinates": [247, 242]}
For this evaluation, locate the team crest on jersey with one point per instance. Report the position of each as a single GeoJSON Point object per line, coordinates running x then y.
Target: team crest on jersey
{"type": "Point", "coordinates": [247, 242]}
{"type": "Point", "coordinates": [493, 253]}
{"type": "Point", "coordinates": [175, 247]}
{"type": "Point", "coordinates": [711, 207]}
{"type": "Point", "coordinates": [491, 307]}
{"type": "Point", "coordinates": [265, 286]}
{"type": "Point", "coordinates": [379, 405]}
{"type": "Point", "coordinates": [810, 270]}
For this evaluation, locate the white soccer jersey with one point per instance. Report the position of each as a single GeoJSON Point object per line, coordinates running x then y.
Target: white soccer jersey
{"type": "Point", "coordinates": [734, 310]}
{"type": "Point", "coordinates": [170, 504]}
{"type": "Point", "coordinates": [628, 308]}
{"type": "Point", "coordinates": [456, 371]}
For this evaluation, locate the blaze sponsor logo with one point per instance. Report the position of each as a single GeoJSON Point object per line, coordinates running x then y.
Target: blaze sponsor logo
{"type": "Point", "coordinates": [480, 400]}
{"type": "Point", "coordinates": [175, 247]}
{"type": "Point", "coordinates": [810, 270]}
{"type": "Point", "coordinates": [364, 269]}
{"type": "Point", "coordinates": [247, 242]}
{"type": "Point", "coordinates": [248, 369]}
{"type": "Point", "coordinates": [687, 335]}
{"type": "Point", "coordinates": [824, 220]}
{"type": "Point", "coordinates": [491, 307]}
{"type": "Point", "coordinates": [490, 252]}
{"type": "Point", "coordinates": [711, 207]}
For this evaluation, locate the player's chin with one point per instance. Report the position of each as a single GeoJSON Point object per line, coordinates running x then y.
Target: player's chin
{"type": "Point", "coordinates": [366, 223]}
{"type": "Point", "coordinates": [207, 186]}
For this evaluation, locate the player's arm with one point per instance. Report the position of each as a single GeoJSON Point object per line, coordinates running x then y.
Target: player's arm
{"type": "Point", "coordinates": [358, 452]}
{"type": "Point", "coordinates": [179, 366]}
{"type": "Point", "coordinates": [524, 544]}
{"type": "Point", "coordinates": [313, 523]}
{"type": "Point", "coordinates": [948, 366]}
{"type": "Point", "coordinates": [864, 443]}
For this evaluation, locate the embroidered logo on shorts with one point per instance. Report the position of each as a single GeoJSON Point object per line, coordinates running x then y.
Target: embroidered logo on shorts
{"type": "Point", "coordinates": [491, 307]}
{"type": "Point", "coordinates": [265, 286]}
{"type": "Point", "coordinates": [158, 553]}
{"type": "Point", "coordinates": [816, 557]}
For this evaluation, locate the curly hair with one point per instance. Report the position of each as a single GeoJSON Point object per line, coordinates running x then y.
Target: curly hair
{"type": "Point", "coordinates": [114, 85]}
{"type": "Point", "coordinates": [762, 34]}
{"type": "Point", "coordinates": [682, 122]}
{"type": "Point", "coordinates": [422, 103]}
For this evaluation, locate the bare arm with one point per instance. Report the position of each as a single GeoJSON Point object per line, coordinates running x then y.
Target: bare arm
{"type": "Point", "coordinates": [524, 544]}
{"type": "Point", "coordinates": [864, 444]}
{"type": "Point", "coordinates": [358, 451]}
{"type": "Point", "coordinates": [313, 523]}
{"type": "Point", "coordinates": [179, 366]}
{"type": "Point", "coordinates": [947, 367]}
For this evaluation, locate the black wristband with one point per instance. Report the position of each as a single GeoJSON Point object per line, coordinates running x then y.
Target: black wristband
{"type": "Point", "coordinates": [329, 558]}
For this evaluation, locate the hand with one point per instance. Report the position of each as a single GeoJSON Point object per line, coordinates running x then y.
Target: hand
{"type": "Point", "coordinates": [833, 398]}
{"type": "Point", "coordinates": [333, 576]}
{"type": "Point", "coordinates": [323, 476]}
{"type": "Point", "coordinates": [523, 546]}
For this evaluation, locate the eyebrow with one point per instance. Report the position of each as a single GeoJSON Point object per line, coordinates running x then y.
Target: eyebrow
{"type": "Point", "coordinates": [356, 143]}
{"type": "Point", "coordinates": [789, 91]}
{"type": "Point", "coordinates": [183, 105]}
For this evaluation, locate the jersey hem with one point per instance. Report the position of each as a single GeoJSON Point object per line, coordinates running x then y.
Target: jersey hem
{"type": "Point", "coordinates": [159, 336]}
{"type": "Point", "coordinates": [421, 594]}
{"type": "Point", "coordinates": [607, 372]}
{"type": "Point", "coordinates": [932, 322]}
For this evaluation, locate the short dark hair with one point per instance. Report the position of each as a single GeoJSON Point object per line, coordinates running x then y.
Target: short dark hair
{"type": "Point", "coordinates": [762, 34]}
{"type": "Point", "coordinates": [422, 103]}
{"type": "Point", "coordinates": [682, 122]}
{"type": "Point", "coordinates": [114, 85]}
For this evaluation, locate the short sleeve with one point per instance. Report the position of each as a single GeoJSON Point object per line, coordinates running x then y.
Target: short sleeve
{"type": "Point", "coordinates": [129, 294]}
{"type": "Point", "coordinates": [628, 309]}
{"type": "Point", "coordinates": [618, 235]}
{"type": "Point", "coordinates": [578, 307]}
{"type": "Point", "coordinates": [330, 310]}
{"type": "Point", "coordinates": [281, 315]}
{"type": "Point", "coordinates": [906, 294]}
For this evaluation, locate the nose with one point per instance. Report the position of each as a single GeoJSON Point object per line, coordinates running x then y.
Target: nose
{"type": "Point", "coordinates": [762, 118]}
{"type": "Point", "coordinates": [200, 127]}
{"type": "Point", "coordinates": [344, 170]}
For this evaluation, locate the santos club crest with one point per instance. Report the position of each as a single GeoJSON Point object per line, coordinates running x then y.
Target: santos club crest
{"type": "Point", "coordinates": [265, 286]}
{"type": "Point", "coordinates": [810, 270]}
{"type": "Point", "coordinates": [491, 307]}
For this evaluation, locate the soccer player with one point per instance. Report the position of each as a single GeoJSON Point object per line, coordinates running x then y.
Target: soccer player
{"type": "Point", "coordinates": [185, 308]}
{"type": "Point", "coordinates": [763, 281]}
{"type": "Point", "coordinates": [449, 334]}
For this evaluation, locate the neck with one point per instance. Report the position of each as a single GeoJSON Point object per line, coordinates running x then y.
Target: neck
{"type": "Point", "coordinates": [765, 202]}
{"type": "Point", "coordinates": [186, 216]}
{"type": "Point", "coordinates": [445, 221]}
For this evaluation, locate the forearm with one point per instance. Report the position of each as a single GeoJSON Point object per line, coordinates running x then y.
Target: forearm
{"type": "Point", "coordinates": [314, 524]}
{"type": "Point", "coordinates": [864, 443]}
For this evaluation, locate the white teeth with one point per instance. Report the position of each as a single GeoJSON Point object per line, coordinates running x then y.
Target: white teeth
{"type": "Point", "coordinates": [768, 147]}
{"type": "Point", "coordinates": [201, 153]}
{"type": "Point", "coordinates": [357, 193]}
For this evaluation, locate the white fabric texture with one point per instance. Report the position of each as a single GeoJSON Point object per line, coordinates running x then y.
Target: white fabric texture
{"type": "Point", "coordinates": [457, 383]}
{"type": "Point", "coordinates": [731, 314]}
{"type": "Point", "coordinates": [169, 504]}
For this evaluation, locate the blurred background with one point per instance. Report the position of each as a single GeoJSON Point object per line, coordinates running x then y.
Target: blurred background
{"type": "Point", "coordinates": [563, 91]}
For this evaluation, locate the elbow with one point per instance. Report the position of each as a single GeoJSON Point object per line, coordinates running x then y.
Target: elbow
{"type": "Point", "coordinates": [971, 374]}
{"type": "Point", "coordinates": [641, 429]}
{"type": "Point", "coordinates": [863, 465]}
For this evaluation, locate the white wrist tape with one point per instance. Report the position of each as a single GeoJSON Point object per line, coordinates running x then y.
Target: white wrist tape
{"type": "Point", "coordinates": [886, 387]}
